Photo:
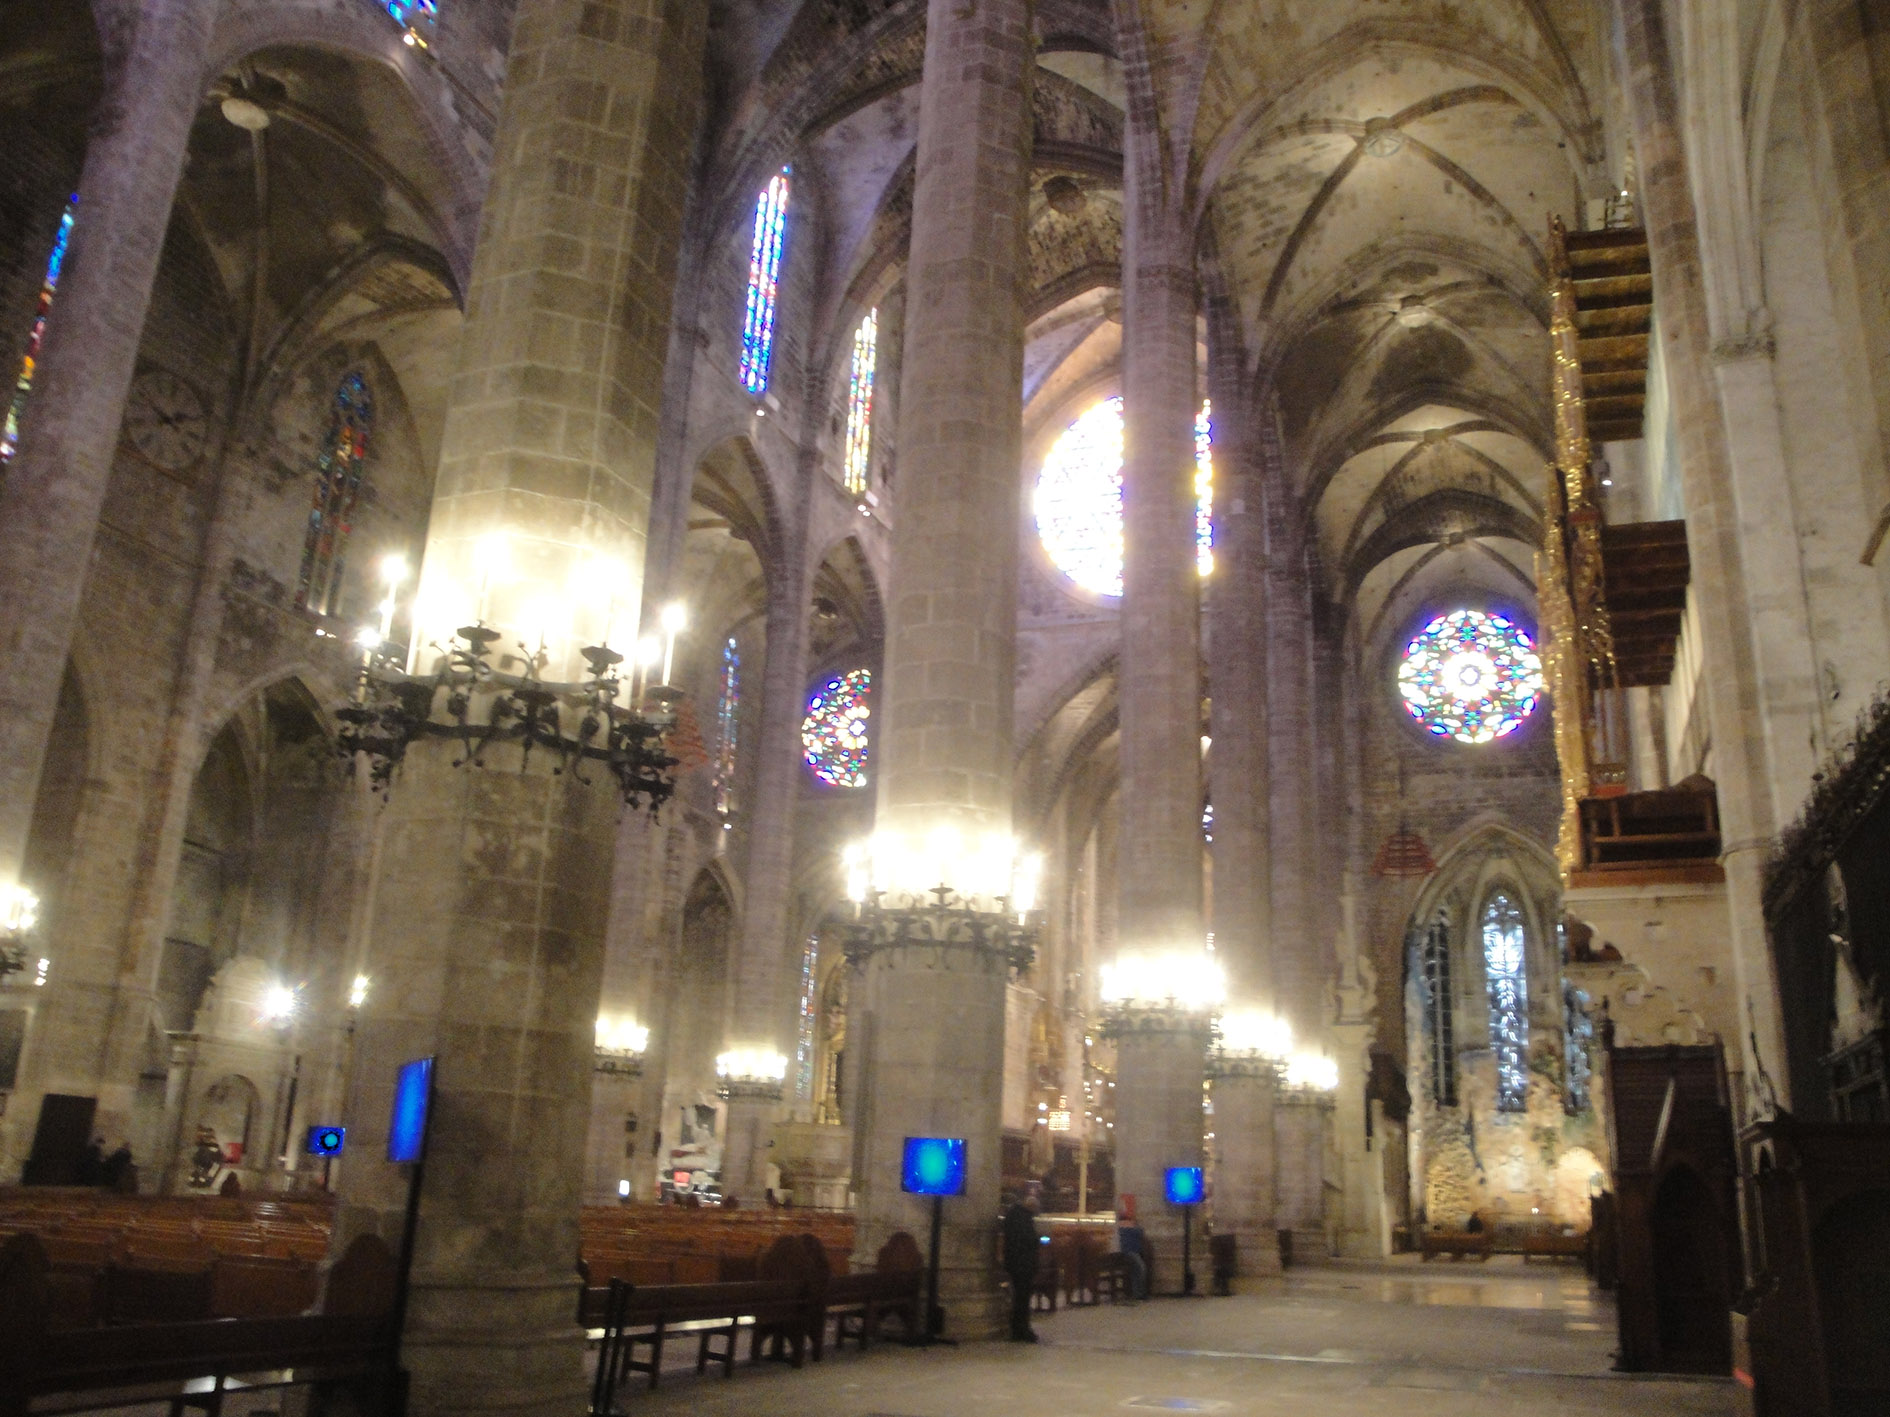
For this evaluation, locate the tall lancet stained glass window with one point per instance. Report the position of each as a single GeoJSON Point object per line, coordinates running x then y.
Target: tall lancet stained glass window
{"type": "Point", "coordinates": [36, 333]}
{"type": "Point", "coordinates": [859, 450]}
{"type": "Point", "coordinates": [764, 278]}
{"type": "Point", "coordinates": [1439, 1009]}
{"type": "Point", "coordinates": [833, 735]}
{"type": "Point", "coordinates": [338, 474]}
{"type": "Point", "coordinates": [1204, 488]}
{"type": "Point", "coordinates": [1505, 969]}
{"type": "Point", "coordinates": [727, 706]}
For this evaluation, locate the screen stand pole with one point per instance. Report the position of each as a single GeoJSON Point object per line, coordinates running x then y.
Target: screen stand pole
{"type": "Point", "coordinates": [1187, 1251]}
{"type": "Point", "coordinates": [409, 1229]}
{"type": "Point", "coordinates": [933, 1329]}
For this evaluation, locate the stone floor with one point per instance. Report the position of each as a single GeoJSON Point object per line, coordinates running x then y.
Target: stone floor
{"type": "Point", "coordinates": [1444, 1340]}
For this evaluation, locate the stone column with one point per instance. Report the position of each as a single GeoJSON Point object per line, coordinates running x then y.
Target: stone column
{"type": "Point", "coordinates": [1161, 1053]}
{"type": "Point", "coordinates": [1729, 672]}
{"type": "Point", "coordinates": [488, 925]}
{"type": "Point", "coordinates": [51, 494]}
{"type": "Point", "coordinates": [932, 1044]}
{"type": "Point", "coordinates": [764, 997]}
{"type": "Point", "coordinates": [1243, 1088]}
{"type": "Point", "coordinates": [1244, 1161]}
{"type": "Point", "coordinates": [1300, 1119]}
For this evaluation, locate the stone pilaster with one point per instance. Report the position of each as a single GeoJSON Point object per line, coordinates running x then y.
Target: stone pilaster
{"type": "Point", "coordinates": [51, 494]}
{"type": "Point", "coordinates": [944, 747]}
{"type": "Point", "coordinates": [489, 920]}
{"type": "Point", "coordinates": [1161, 1058]}
{"type": "Point", "coordinates": [1301, 1119]}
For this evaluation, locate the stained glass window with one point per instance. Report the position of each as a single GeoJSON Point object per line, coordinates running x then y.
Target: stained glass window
{"type": "Point", "coordinates": [1578, 1036]}
{"type": "Point", "coordinates": [1078, 502]}
{"type": "Point", "coordinates": [1471, 676]}
{"type": "Point", "coordinates": [36, 333]}
{"type": "Point", "coordinates": [1204, 488]}
{"type": "Point", "coordinates": [804, 1023]}
{"type": "Point", "coordinates": [764, 275]}
{"type": "Point", "coordinates": [338, 474]}
{"type": "Point", "coordinates": [833, 735]}
{"type": "Point", "coordinates": [860, 402]}
{"type": "Point", "coordinates": [727, 704]}
{"type": "Point", "coordinates": [1504, 968]}
{"type": "Point", "coordinates": [416, 17]}
{"type": "Point", "coordinates": [1433, 946]}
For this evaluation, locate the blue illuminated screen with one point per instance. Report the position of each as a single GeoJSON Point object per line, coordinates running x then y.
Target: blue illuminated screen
{"type": "Point", "coordinates": [1183, 1185]}
{"type": "Point", "coordinates": [326, 1141]}
{"type": "Point", "coordinates": [935, 1166]}
{"type": "Point", "coordinates": [407, 1129]}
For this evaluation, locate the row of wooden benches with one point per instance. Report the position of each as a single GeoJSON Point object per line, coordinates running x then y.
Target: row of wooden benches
{"type": "Point", "coordinates": [788, 1308]}
{"type": "Point", "coordinates": [1481, 1244]}
{"type": "Point", "coordinates": [348, 1348]}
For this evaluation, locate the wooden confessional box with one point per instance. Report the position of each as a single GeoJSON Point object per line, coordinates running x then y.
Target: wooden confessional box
{"type": "Point", "coordinates": [1676, 1209]}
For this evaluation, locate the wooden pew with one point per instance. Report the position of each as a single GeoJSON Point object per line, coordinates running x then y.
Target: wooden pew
{"type": "Point", "coordinates": [1461, 1243]}
{"type": "Point", "coordinates": [1549, 1245]}
{"type": "Point", "coordinates": [858, 1302]}
{"type": "Point", "coordinates": [351, 1347]}
{"type": "Point", "coordinates": [642, 1318]}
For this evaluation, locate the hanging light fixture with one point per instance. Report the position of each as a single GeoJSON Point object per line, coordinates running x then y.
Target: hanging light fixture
{"type": "Point", "coordinates": [577, 723]}
{"type": "Point", "coordinates": [1403, 855]}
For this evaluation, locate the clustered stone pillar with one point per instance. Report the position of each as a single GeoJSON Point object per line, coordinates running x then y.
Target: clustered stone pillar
{"type": "Point", "coordinates": [1729, 675]}
{"type": "Point", "coordinates": [52, 492]}
{"type": "Point", "coordinates": [763, 998]}
{"type": "Point", "coordinates": [1243, 1088]}
{"type": "Point", "coordinates": [927, 1019]}
{"type": "Point", "coordinates": [488, 923]}
{"type": "Point", "coordinates": [1160, 1051]}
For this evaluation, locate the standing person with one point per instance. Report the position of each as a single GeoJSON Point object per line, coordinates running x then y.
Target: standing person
{"type": "Point", "coordinates": [1020, 1263]}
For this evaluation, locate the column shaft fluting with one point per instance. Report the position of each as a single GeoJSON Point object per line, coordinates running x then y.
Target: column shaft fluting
{"type": "Point", "coordinates": [944, 745]}
{"type": "Point", "coordinates": [488, 924]}
{"type": "Point", "coordinates": [53, 490]}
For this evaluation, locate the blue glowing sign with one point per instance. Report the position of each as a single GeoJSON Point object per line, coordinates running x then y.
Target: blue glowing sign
{"type": "Point", "coordinates": [1184, 1185]}
{"type": "Point", "coordinates": [326, 1141]}
{"type": "Point", "coordinates": [935, 1166]}
{"type": "Point", "coordinates": [413, 1093]}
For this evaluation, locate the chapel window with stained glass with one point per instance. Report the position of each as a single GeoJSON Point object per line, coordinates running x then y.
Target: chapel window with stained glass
{"type": "Point", "coordinates": [1433, 946]}
{"type": "Point", "coordinates": [36, 332]}
{"type": "Point", "coordinates": [1505, 971]}
{"type": "Point", "coordinates": [416, 17]}
{"type": "Point", "coordinates": [833, 735]}
{"type": "Point", "coordinates": [339, 471]}
{"type": "Point", "coordinates": [809, 1007]}
{"type": "Point", "coordinates": [859, 449]}
{"type": "Point", "coordinates": [764, 277]}
{"type": "Point", "coordinates": [1471, 675]}
{"type": "Point", "coordinates": [727, 709]}
{"type": "Point", "coordinates": [1078, 500]}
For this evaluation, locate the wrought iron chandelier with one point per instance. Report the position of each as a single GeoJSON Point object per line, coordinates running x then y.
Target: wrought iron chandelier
{"type": "Point", "coordinates": [578, 723]}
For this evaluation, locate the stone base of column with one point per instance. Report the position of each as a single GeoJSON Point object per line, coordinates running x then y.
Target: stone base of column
{"type": "Point", "coordinates": [927, 1018]}
{"type": "Point", "coordinates": [752, 1109]}
{"type": "Point", "coordinates": [489, 929]}
{"type": "Point", "coordinates": [1243, 1163]}
{"type": "Point", "coordinates": [494, 1344]}
{"type": "Point", "coordinates": [1300, 1122]}
{"type": "Point", "coordinates": [1161, 1062]}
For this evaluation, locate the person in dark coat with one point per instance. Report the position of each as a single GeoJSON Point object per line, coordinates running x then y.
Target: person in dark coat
{"type": "Point", "coordinates": [1020, 1263]}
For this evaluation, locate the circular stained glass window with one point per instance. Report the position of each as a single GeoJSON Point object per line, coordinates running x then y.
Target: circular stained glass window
{"type": "Point", "coordinates": [1471, 676]}
{"type": "Point", "coordinates": [833, 735]}
{"type": "Point", "coordinates": [1078, 504]}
